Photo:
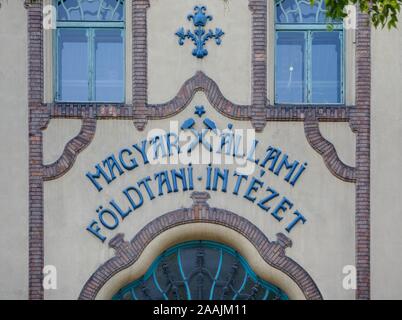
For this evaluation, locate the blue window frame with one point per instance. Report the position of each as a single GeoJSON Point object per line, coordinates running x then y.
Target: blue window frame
{"type": "Point", "coordinates": [309, 54]}
{"type": "Point", "coordinates": [200, 270]}
{"type": "Point", "coordinates": [89, 51]}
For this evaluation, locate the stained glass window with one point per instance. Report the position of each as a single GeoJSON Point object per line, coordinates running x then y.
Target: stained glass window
{"type": "Point", "coordinates": [309, 67]}
{"type": "Point", "coordinates": [90, 51]}
{"type": "Point", "coordinates": [200, 270]}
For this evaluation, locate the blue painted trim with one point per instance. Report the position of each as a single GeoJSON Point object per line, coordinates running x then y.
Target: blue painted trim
{"type": "Point", "coordinates": [305, 27]}
{"type": "Point", "coordinates": [89, 24]}
{"type": "Point", "coordinates": [309, 66]}
{"type": "Point", "coordinates": [241, 286]}
{"type": "Point", "coordinates": [158, 286]}
{"type": "Point", "coordinates": [182, 274]}
{"type": "Point", "coordinates": [218, 272]}
{"type": "Point", "coordinates": [133, 294]}
{"type": "Point", "coordinates": [91, 64]}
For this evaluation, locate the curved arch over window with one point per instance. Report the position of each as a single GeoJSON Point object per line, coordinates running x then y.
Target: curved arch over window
{"type": "Point", "coordinates": [200, 270]}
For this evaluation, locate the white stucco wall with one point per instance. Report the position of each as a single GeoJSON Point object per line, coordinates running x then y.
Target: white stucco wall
{"type": "Point", "coordinates": [170, 65]}
{"type": "Point", "coordinates": [14, 152]}
{"type": "Point", "coordinates": [323, 246]}
{"type": "Point", "coordinates": [386, 159]}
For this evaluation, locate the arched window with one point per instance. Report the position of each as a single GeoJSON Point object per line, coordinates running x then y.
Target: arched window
{"type": "Point", "coordinates": [309, 65]}
{"type": "Point", "coordinates": [90, 51]}
{"type": "Point", "coordinates": [200, 270]}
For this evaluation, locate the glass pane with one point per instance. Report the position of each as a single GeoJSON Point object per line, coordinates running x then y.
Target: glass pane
{"type": "Point", "coordinates": [287, 11]}
{"type": "Point", "coordinates": [72, 65]}
{"type": "Point", "coordinates": [90, 10]}
{"type": "Point", "coordinates": [310, 13]}
{"type": "Point", "coordinates": [326, 67]}
{"type": "Point", "coordinates": [109, 65]}
{"type": "Point", "coordinates": [290, 77]}
{"type": "Point", "coordinates": [300, 11]}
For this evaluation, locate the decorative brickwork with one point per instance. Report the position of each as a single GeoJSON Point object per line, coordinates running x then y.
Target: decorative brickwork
{"type": "Point", "coordinates": [38, 120]}
{"type": "Point", "coordinates": [199, 82]}
{"type": "Point", "coordinates": [259, 83]}
{"type": "Point", "coordinates": [273, 253]}
{"type": "Point", "coordinates": [322, 113]}
{"type": "Point", "coordinates": [360, 124]}
{"type": "Point", "coordinates": [140, 63]}
{"type": "Point", "coordinates": [71, 150]}
{"type": "Point", "coordinates": [259, 113]}
{"type": "Point", "coordinates": [328, 152]}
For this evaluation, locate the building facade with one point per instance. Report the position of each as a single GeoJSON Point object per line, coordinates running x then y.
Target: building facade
{"type": "Point", "coordinates": [177, 149]}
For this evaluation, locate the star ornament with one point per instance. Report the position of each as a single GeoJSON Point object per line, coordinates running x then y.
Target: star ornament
{"type": "Point", "coordinates": [199, 111]}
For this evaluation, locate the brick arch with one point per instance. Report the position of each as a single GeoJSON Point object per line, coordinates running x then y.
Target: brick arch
{"type": "Point", "coordinates": [273, 252]}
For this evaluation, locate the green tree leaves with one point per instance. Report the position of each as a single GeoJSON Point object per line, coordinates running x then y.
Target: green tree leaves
{"type": "Point", "coordinates": [382, 12]}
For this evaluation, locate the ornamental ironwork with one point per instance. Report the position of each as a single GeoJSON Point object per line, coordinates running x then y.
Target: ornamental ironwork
{"type": "Point", "coordinates": [200, 270]}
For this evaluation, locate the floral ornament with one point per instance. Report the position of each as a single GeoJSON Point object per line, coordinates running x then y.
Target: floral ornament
{"type": "Point", "coordinates": [200, 36]}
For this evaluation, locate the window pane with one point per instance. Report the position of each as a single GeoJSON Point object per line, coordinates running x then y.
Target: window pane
{"type": "Point", "coordinates": [326, 67]}
{"type": "Point", "coordinates": [310, 13]}
{"type": "Point", "coordinates": [73, 65]}
{"type": "Point", "coordinates": [287, 11]}
{"type": "Point", "coordinates": [109, 65]}
{"type": "Point", "coordinates": [289, 67]}
{"type": "Point", "coordinates": [90, 10]}
{"type": "Point", "coordinates": [300, 11]}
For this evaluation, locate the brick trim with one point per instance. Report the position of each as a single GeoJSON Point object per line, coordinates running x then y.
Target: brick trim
{"type": "Point", "coordinates": [199, 82]}
{"type": "Point", "coordinates": [38, 120]}
{"type": "Point", "coordinates": [273, 252]}
{"type": "Point", "coordinates": [140, 62]}
{"type": "Point", "coordinates": [40, 114]}
{"type": "Point", "coordinates": [259, 82]}
{"type": "Point", "coordinates": [322, 113]}
{"type": "Point", "coordinates": [360, 123]}
{"type": "Point", "coordinates": [327, 150]}
{"type": "Point", "coordinates": [71, 151]}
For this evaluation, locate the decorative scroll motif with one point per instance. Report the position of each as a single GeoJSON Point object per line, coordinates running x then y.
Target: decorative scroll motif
{"type": "Point", "coordinates": [200, 37]}
{"type": "Point", "coordinates": [200, 270]}
{"type": "Point", "coordinates": [90, 10]}
{"type": "Point", "coordinates": [300, 11]}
